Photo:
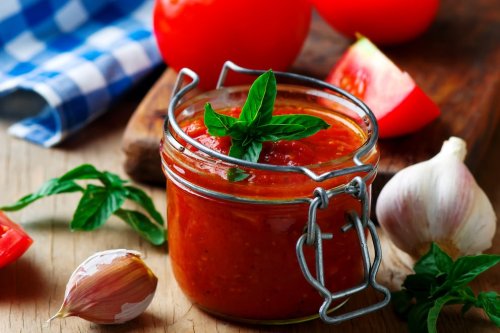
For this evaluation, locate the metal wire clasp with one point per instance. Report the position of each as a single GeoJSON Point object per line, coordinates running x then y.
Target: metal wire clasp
{"type": "Point", "coordinates": [314, 237]}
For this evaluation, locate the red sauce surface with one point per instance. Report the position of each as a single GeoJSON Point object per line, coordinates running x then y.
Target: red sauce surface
{"type": "Point", "coordinates": [238, 259]}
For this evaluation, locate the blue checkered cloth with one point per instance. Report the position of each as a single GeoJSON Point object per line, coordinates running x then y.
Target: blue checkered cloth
{"type": "Point", "coordinates": [78, 55]}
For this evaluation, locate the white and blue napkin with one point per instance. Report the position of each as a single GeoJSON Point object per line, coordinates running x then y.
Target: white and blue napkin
{"type": "Point", "coordinates": [76, 56]}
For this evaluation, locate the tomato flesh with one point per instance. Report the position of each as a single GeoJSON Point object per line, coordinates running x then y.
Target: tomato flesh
{"type": "Point", "coordinates": [399, 105]}
{"type": "Point", "coordinates": [14, 241]}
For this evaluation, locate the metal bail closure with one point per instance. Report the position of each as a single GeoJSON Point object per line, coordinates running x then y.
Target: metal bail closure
{"type": "Point", "coordinates": [314, 237]}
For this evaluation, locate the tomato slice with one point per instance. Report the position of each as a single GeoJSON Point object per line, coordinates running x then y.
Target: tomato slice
{"type": "Point", "coordinates": [14, 241]}
{"type": "Point", "coordinates": [399, 105]}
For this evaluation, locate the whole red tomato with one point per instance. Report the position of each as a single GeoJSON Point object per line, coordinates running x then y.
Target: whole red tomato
{"type": "Point", "coordinates": [383, 21]}
{"type": "Point", "coordinates": [203, 34]}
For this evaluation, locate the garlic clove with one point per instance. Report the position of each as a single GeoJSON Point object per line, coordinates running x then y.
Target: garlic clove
{"type": "Point", "coordinates": [110, 287]}
{"type": "Point", "coordinates": [437, 201]}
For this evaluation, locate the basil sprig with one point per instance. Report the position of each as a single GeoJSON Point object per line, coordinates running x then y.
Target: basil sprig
{"type": "Point", "coordinates": [256, 124]}
{"type": "Point", "coordinates": [438, 281]}
{"type": "Point", "coordinates": [99, 202]}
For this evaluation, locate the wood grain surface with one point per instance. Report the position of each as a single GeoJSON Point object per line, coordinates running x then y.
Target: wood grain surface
{"type": "Point", "coordinates": [32, 289]}
{"type": "Point", "coordinates": [457, 62]}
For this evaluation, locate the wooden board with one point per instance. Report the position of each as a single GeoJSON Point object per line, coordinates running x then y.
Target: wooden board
{"type": "Point", "coordinates": [457, 62]}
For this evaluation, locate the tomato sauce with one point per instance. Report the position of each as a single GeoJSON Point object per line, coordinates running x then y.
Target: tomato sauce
{"type": "Point", "coordinates": [238, 260]}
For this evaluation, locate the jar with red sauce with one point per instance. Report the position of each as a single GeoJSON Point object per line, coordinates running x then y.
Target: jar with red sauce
{"type": "Point", "coordinates": [288, 242]}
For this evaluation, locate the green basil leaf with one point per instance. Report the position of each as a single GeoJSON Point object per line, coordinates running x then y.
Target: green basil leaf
{"type": "Point", "coordinates": [216, 123]}
{"type": "Point", "coordinates": [140, 197]}
{"type": "Point", "coordinates": [51, 187]}
{"type": "Point", "coordinates": [112, 180]}
{"type": "Point", "coordinates": [150, 231]}
{"type": "Point", "coordinates": [490, 303]}
{"type": "Point", "coordinates": [435, 261]}
{"type": "Point", "coordinates": [420, 285]}
{"type": "Point", "coordinates": [96, 206]}
{"type": "Point", "coordinates": [417, 317]}
{"type": "Point", "coordinates": [236, 175]}
{"type": "Point", "coordinates": [250, 152]}
{"type": "Point", "coordinates": [276, 132]}
{"type": "Point", "coordinates": [239, 131]}
{"type": "Point", "coordinates": [84, 171]}
{"type": "Point", "coordinates": [281, 126]}
{"type": "Point", "coordinates": [402, 303]}
{"type": "Point", "coordinates": [258, 108]}
{"type": "Point", "coordinates": [465, 269]}
{"type": "Point", "coordinates": [434, 311]}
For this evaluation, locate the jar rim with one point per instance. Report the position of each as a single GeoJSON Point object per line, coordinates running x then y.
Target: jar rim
{"type": "Point", "coordinates": [339, 97]}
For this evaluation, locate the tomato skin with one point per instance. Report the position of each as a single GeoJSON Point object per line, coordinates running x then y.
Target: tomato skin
{"type": "Point", "coordinates": [383, 21]}
{"type": "Point", "coordinates": [14, 241]}
{"type": "Point", "coordinates": [203, 34]}
{"type": "Point", "coordinates": [399, 105]}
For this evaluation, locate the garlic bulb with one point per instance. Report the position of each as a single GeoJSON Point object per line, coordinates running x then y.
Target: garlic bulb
{"type": "Point", "coordinates": [437, 201]}
{"type": "Point", "coordinates": [110, 287]}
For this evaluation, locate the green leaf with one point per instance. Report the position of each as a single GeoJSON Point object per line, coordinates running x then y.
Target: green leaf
{"type": "Point", "coordinates": [258, 108]}
{"type": "Point", "coordinates": [402, 303]}
{"type": "Point", "coordinates": [432, 317]}
{"type": "Point", "coordinates": [141, 223]}
{"type": "Point", "coordinates": [96, 206]}
{"type": "Point", "coordinates": [51, 187]}
{"type": "Point", "coordinates": [84, 171]}
{"type": "Point", "coordinates": [490, 302]}
{"type": "Point", "coordinates": [216, 123]}
{"type": "Point", "coordinates": [435, 261]}
{"type": "Point", "coordinates": [139, 196]}
{"type": "Point", "coordinates": [249, 152]}
{"type": "Point", "coordinates": [420, 285]}
{"type": "Point", "coordinates": [111, 180]}
{"type": "Point", "coordinates": [465, 269]}
{"type": "Point", "coordinates": [236, 175]}
{"type": "Point", "coordinates": [417, 318]}
{"type": "Point", "coordinates": [291, 127]}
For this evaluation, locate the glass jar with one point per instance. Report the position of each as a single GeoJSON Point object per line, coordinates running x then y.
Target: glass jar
{"type": "Point", "coordinates": [245, 250]}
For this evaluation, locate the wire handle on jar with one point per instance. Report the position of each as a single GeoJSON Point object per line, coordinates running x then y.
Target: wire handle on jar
{"type": "Point", "coordinates": [314, 237]}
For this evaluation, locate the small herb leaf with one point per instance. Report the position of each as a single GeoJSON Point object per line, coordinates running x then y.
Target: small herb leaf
{"type": "Point", "coordinates": [84, 171]}
{"type": "Point", "coordinates": [258, 108]}
{"type": "Point", "coordinates": [98, 203]}
{"type": "Point", "coordinates": [440, 281]}
{"type": "Point", "coordinates": [417, 318]}
{"type": "Point", "coordinates": [236, 175]}
{"type": "Point", "coordinates": [140, 197]}
{"type": "Point", "coordinates": [152, 232]}
{"type": "Point", "coordinates": [250, 152]}
{"type": "Point", "coordinates": [256, 124]}
{"type": "Point", "coordinates": [465, 269]}
{"type": "Point", "coordinates": [436, 262]}
{"type": "Point", "coordinates": [490, 302]}
{"type": "Point", "coordinates": [216, 123]}
{"type": "Point", "coordinates": [278, 126]}
{"type": "Point", "coordinates": [95, 207]}
{"type": "Point", "coordinates": [436, 309]}
{"type": "Point", "coordinates": [51, 187]}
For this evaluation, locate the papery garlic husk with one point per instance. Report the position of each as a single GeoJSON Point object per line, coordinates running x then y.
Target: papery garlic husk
{"type": "Point", "coordinates": [437, 201]}
{"type": "Point", "coordinates": [110, 287]}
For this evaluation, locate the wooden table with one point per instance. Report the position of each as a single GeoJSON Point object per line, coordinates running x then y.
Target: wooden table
{"type": "Point", "coordinates": [32, 289]}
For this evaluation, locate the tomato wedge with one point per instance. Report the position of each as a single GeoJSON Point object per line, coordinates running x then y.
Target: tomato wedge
{"type": "Point", "coordinates": [399, 105]}
{"type": "Point", "coordinates": [14, 241]}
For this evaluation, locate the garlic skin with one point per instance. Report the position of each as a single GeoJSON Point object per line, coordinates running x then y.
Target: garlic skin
{"type": "Point", "coordinates": [437, 201]}
{"type": "Point", "coordinates": [110, 287]}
